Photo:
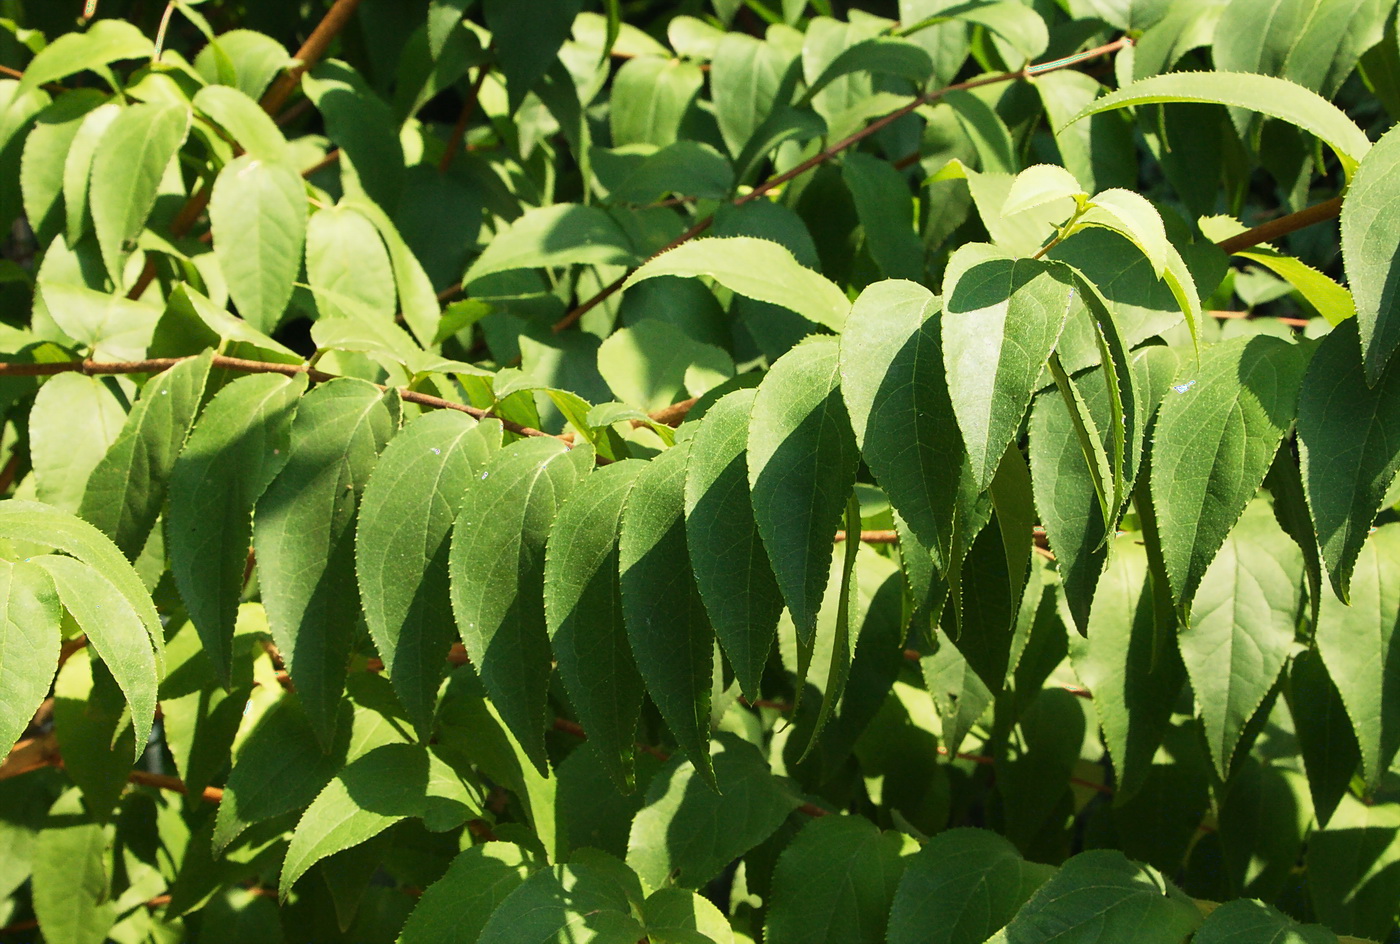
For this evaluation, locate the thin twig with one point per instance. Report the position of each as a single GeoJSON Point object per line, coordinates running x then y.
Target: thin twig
{"type": "Point", "coordinates": [310, 53]}
{"type": "Point", "coordinates": [1308, 216]}
{"type": "Point", "coordinates": [459, 132]}
{"type": "Point", "coordinates": [833, 150]}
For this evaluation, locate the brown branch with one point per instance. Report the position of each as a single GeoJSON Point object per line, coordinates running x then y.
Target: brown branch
{"type": "Point", "coordinates": [1308, 216]}
{"type": "Point", "coordinates": [173, 784]}
{"type": "Point", "coordinates": [332, 157]}
{"type": "Point", "coordinates": [1250, 316]}
{"type": "Point", "coordinates": [459, 132]}
{"type": "Point", "coordinates": [310, 53]}
{"type": "Point", "coordinates": [158, 364]}
{"type": "Point", "coordinates": [832, 151]}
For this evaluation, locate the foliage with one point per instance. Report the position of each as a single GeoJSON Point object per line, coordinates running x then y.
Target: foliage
{"type": "Point", "coordinates": [716, 471]}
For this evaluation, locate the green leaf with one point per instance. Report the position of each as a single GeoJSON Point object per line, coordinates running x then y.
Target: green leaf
{"type": "Point", "coordinates": [1136, 218]}
{"type": "Point", "coordinates": [650, 98]}
{"type": "Point", "coordinates": [30, 615]}
{"type": "Point", "coordinates": [736, 580]}
{"type": "Point", "coordinates": [1359, 642]}
{"type": "Point", "coordinates": [1002, 317]}
{"type": "Point", "coordinates": [746, 75]}
{"type": "Point", "coordinates": [1325, 738]}
{"type": "Point", "coordinates": [455, 908]}
{"type": "Point", "coordinates": [834, 883]}
{"type": "Point", "coordinates": [584, 900]}
{"type": "Point", "coordinates": [1370, 246]}
{"type": "Point", "coordinates": [650, 364]}
{"type": "Point", "coordinates": [1216, 435]}
{"type": "Point", "coordinates": [1277, 98]}
{"type": "Point", "coordinates": [757, 269]}
{"type": "Point", "coordinates": [677, 916]}
{"type": "Point", "coordinates": [583, 611]}
{"type": "Point", "coordinates": [1264, 818]}
{"type": "Point", "coordinates": [371, 794]}
{"type": "Point", "coordinates": [73, 422]}
{"type": "Point", "coordinates": [72, 885]}
{"type": "Point", "coordinates": [233, 453]}
{"type": "Point", "coordinates": [1102, 896]}
{"type": "Point", "coordinates": [46, 151]}
{"type": "Point", "coordinates": [962, 887]}
{"type": "Point", "coordinates": [444, 16]}
{"type": "Point", "coordinates": [1312, 42]}
{"type": "Point", "coordinates": [128, 636]}
{"type": "Point", "coordinates": [886, 210]}
{"type": "Point", "coordinates": [1038, 185]}
{"type": "Point", "coordinates": [1347, 431]}
{"type": "Point", "coordinates": [417, 300]}
{"type": "Point", "coordinates": [258, 216]}
{"type": "Point", "coordinates": [192, 321]}
{"type": "Point", "coordinates": [527, 39]}
{"type": "Point", "coordinates": [240, 116]}
{"type": "Point", "coordinates": [1331, 300]}
{"type": "Point", "coordinates": [685, 168]}
{"type": "Point", "coordinates": [127, 168]}
{"type": "Point", "coordinates": [1242, 628]}
{"type": "Point", "coordinates": [673, 838]}
{"type": "Point", "coordinates": [894, 387]}
{"type": "Point", "coordinates": [372, 162]}
{"type": "Point", "coordinates": [1130, 664]}
{"type": "Point", "coordinates": [497, 564]}
{"type": "Point", "coordinates": [672, 640]}
{"type": "Point", "coordinates": [127, 488]}
{"type": "Point", "coordinates": [254, 58]}
{"type": "Point", "coordinates": [401, 547]}
{"type": "Point", "coordinates": [878, 56]}
{"type": "Point", "coordinates": [1243, 922]}
{"type": "Point", "coordinates": [1352, 874]}
{"type": "Point", "coordinates": [77, 169]}
{"type": "Point", "coordinates": [107, 41]}
{"type": "Point", "coordinates": [348, 267]}
{"type": "Point", "coordinates": [113, 327]}
{"type": "Point", "coordinates": [802, 458]}
{"type": "Point", "coordinates": [303, 533]}
{"type": "Point", "coordinates": [558, 235]}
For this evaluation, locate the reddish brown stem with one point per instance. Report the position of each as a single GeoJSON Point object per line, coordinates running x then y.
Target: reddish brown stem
{"type": "Point", "coordinates": [1308, 216]}
{"type": "Point", "coordinates": [310, 53]}
{"type": "Point", "coordinates": [459, 132]}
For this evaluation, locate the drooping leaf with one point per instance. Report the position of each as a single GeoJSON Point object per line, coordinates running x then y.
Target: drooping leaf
{"type": "Point", "coordinates": [304, 537]}
{"type": "Point", "coordinates": [1216, 435]}
{"type": "Point", "coordinates": [258, 216]}
{"type": "Point", "coordinates": [127, 168]}
{"type": "Point", "coordinates": [757, 269]}
{"type": "Point", "coordinates": [802, 462]}
{"type": "Point", "coordinates": [731, 566]}
{"type": "Point", "coordinates": [30, 615]}
{"type": "Point", "coordinates": [237, 448]}
{"type": "Point", "coordinates": [1001, 319]}
{"type": "Point", "coordinates": [371, 794]}
{"type": "Point", "coordinates": [1360, 645]}
{"type": "Point", "coordinates": [497, 564]}
{"type": "Point", "coordinates": [672, 640]}
{"type": "Point", "coordinates": [583, 612]}
{"type": "Point", "coordinates": [401, 547]}
{"type": "Point", "coordinates": [962, 887]}
{"type": "Point", "coordinates": [848, 865]}
{"type": "Point", "coordinates": [1242, 628]}
{"type": "Point", "coordinates": [1347, 435]}
{"type": "Point", "coordinates": [127, 488]}
{"type": "Point", "coordinates": [670, 840]}
{"type": "Point", "coordinates": [1370, 247]}
{"type": "Point", "coordinates": [46, 150]}
{"type": "Point", "coordinates": [455, 908]}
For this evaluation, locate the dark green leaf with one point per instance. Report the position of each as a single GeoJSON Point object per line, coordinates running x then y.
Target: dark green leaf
{"type": "Point", "coordinates": [1245, 922]}
{"type": "Point", "coordinates": [1370, 245]}
{"type": "Point", "coordinates": [1326, 741]}
{"type": "Point", "coordinates": [455, 908]}
{"type": "Point", "coordinates": [527, 38]}
{"type": "Point", "coordinates": [584, 900]}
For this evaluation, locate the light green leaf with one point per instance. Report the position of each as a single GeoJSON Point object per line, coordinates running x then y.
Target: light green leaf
{"type": "Point", "coordinates": [558, 235]}
{"type": "Point", "coordinates": [348, 267]}
{"type": "Point", "coordinates": [651, 364]}
{"type": "Point", "coordinates": [107, 41]}
{"type": "Point", "coordinates": [255, 58]}
{"type": "Point", "coordinates": [1002, 317]}
{"type": "Point", "coordinates": [1326, 741]}
{"type": "Point", "coordinates": [673, 838]}
{"type": "Point", "coordinates": [127, 167]}
{"type": "Point", "coordinates": [677, 916]}
{"type": "Point", "coordinates": [1020, 27]}
{"type": "Point", "coordinates": [401, 547]}
{"type": "Point", "coordinates": [113, 327]}
{"type": "Point", "coordinates": [757, 269]}
{"type": "Point", "coordinates": [1132, 215]}
{"type": "Point", "coordinates": [417, 300]}
{"type": "Point", "coordinates": [834, 883]}
{"type": "Point", "coordinates": [745, 77]}
{"type": "Point", "coordinates": [1242, 628]}
{"type": "Point", "coordinates": [444, 16]}
{"type": "Point", "coordinates": [497, 564]}
{"type": "Point", "coordinates": [731, 566]}
{"type": "Point", "coordinates": [1331, 300]}
{"type": "Point", "coordinates": [650, 98]}
{"type": "Point", "coordinates": [1102, 896]}
{"type": "Point", "coordinates": [877, 56]}
{"type": "Point", "coordinates": [77, 169]}
{"type": "Point", "coordinates": [29, 641]}
{"type": "Point", "coordinates": [1216, 435]}
{"type": "Point", "coordinates": [1358, 644]}
{"type": "Point", "coordinates": [233, 453]}
{"type": "Point", "coordinates": [1370, 247]}
{"type": "Point", "coordinates": [672, 640]}
{"type": "Point", "coordinates": [244, 120]}
{"type": "Point", "coordinates": [455, 908]}
{"type": "Point", "coordinates": [963, 886]}
{"type": "Point", "coordinates": [303, 533]}
{"type": "Point", "coordinates": [1277, 98]}
{"type": "Point", "coordinates": [193, 321]}
{"type": "Point", "coordinates": [583, 611]}
{"type": "Point", "coordinates": [73, 422]}
{"type": "Point", "coordinates": [127, 488]}
{"type": "Point", "coordinates": [802, 458]}
{"type": "Point", "coordinates": [583, 901]}
{"type": "Point", "coordinates": [371, 794]}
{"type": "Point", "coordinates": [1245, 922]}
{"type": "Point", "coordinates": [893, 383]}
{"type": "Point", "coordinates": [258, 216]}
{"type": "Point", "coordinates": [1038, 185]}
{"type": "Point", "coordinates": [1347, 432]}
{"type": "Point", "coordinates": [72, 885]}
{"type": "Point", "coordinates": [46, 150]}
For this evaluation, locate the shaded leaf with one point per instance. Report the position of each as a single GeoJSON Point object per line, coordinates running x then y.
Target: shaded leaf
{"type": "Point", "coordinates": [1370, 245]}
